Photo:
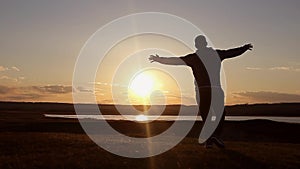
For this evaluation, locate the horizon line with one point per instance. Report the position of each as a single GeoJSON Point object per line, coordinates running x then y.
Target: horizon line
{"type": "Point", "coordinates": [111, 104]}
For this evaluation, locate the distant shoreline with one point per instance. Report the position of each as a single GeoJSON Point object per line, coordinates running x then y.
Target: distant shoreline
{"type": "Point", "coordinates": [170, 118]}
{"type": "Point", "coordinates": [65, 103]}
{"type": "Point", "coordinates": [274, 109]}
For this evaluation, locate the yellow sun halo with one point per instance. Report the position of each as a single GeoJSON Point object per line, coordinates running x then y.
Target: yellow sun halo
{"type": "Point", "coordinates": [142, 84]}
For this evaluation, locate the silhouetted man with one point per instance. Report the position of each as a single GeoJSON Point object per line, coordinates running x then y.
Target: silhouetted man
{"type": "Point", "coordinates": [205, 79]}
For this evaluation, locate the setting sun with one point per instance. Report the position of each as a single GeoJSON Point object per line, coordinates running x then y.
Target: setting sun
{"type": "Point", "coordinates": [152, 83]}
{"type": "Point", "coordinates": [142, 84]}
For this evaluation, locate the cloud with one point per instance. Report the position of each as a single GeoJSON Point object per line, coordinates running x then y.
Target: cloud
{"type": "Point", "coordinates": [15, 68]}
{"type": "Point", "coordinates": [26, 96]}
{"type": "Point", "coordinates": [54, 89]}
{"type": "Point", "coordinates": [84, 89]}
{"type": "Point", "coordinates": [2, 68]}
{"type": "Point", "coordinates": [5, 89]}
{"type": "Point", "coordinates": [99, 83]}
{"type": "Point", "coordinates": [280, 68]}
{"type": "Point", "coordinates": [267, 96]}
{"type": "Point", "coordinates": [253, 68]}
{"type": "Point", "coordinates": [33, 93]}
{"type": "Point", "coordinates": [276, 68]}
{"type": "Point", "coordinates": [17, 93]}
{"type": "Point", "coordinates": [8, 78]}
{"type": "Point", "coordinates": [285, 68]}
{"type": "Point", "coordinates": [11, 79]}
{"type": "Point", "coordinates": [108, 84]}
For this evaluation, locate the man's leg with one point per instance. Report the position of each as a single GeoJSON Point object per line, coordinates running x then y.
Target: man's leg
{"type": "Point", "coordinates": [205, 101]}
{"type": "Point", "coordinates": [216, 137]}
{"type": "Point", "coordinates": [219, 129]}
{"type": "Point", "coordinates": [204, 106]}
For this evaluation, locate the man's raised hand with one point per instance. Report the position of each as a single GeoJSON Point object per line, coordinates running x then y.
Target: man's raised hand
{"type": "Point", "coordinates": [249, 46]}
{"type": "Point", "coordinates": [153, 58]}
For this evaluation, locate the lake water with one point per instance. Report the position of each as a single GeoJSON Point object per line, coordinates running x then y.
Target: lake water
{"type": "Point", "coordinates": [144, 118]}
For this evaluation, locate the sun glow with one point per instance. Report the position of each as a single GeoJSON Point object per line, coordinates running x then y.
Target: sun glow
{"type": "Point", "coordinates": [152, 87]}
{"type": "Point", "coordinates": [141, 118]}
{"type": "Point", "coordinates": [142, 84]}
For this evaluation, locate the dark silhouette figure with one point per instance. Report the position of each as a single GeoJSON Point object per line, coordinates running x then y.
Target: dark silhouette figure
{"type": "Point", "coordinates": [203, 77]}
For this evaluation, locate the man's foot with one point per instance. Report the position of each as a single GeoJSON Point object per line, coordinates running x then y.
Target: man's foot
{"type": "Point", "coordinates": [208, 144]}
{"type": "Point", "coordinates": [219, 143]}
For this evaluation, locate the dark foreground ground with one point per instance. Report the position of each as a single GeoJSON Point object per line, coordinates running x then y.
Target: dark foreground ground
{"type": "Point", "coordinates": [28, 140]}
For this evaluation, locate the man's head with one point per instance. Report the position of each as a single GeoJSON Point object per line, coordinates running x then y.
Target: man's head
{"type": "Point", "coordinates": [200, 42]}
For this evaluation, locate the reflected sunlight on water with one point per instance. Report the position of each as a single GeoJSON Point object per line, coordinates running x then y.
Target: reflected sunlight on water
{"type": "Point", "coordinates": [143, 118]}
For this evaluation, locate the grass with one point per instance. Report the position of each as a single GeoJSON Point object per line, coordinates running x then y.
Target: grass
{"type": "Point", "coordinates": [66, 150]}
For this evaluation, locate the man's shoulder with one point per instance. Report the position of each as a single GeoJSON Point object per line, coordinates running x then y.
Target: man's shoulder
{"type": "Point", "coordinates": [189, 59]}
{"type": "Point", "coordinates": [191, 55]}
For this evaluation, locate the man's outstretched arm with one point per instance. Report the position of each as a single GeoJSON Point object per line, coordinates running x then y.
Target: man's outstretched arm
{"type": "Point", "coordinates": [225, 54]}
{"type": "Point", "coordinates": [166, 60]}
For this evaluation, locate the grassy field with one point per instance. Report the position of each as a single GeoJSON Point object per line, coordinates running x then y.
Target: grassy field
{"type": "Point", "coordinates": [67, 150]}
{"type": "Point", "coordinates": [29, 140]}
